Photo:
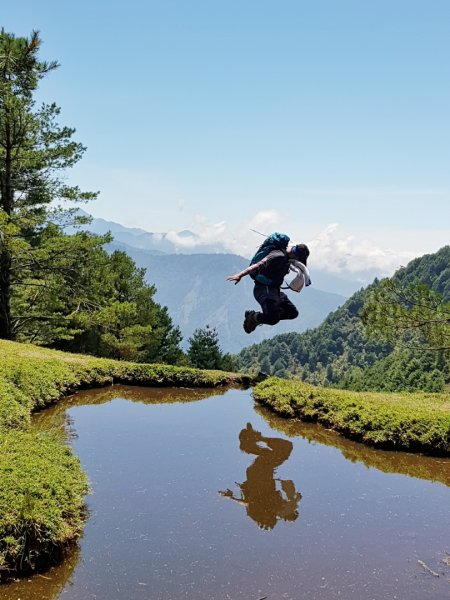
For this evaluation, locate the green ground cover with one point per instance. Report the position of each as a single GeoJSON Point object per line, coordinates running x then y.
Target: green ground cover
{"type": "Point", "coordinates": [407, 421]}
{"type": "Point", "coordinates": [42, 486]}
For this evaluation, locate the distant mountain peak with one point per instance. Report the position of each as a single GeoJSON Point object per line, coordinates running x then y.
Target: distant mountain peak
{"type": "Point", "coordinates": [159, 243]}
{"type": "Point", "coordinates": [186, 233]}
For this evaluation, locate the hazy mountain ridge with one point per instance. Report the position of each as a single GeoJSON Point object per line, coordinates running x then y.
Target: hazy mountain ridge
{"type": "Point", "coordinates": [154, 242]}
{"type": "Point", "coordinates": [336, 281]}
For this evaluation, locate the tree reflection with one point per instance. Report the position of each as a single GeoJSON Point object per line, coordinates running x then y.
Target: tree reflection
{"type": "Point", "coordinates": [266, 498]}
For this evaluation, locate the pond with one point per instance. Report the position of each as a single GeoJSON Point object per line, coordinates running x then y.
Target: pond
{"type": "Point", "coordinates": [203, 495]}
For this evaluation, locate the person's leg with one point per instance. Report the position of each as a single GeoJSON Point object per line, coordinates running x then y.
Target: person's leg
{"type": "Point", "coordinates": [271, 313]}
{"type": "Point", "coordinates": [251, 321]}
{"type": "Point", "coordinates": [269, 299]}
{"type": "Point", "coordinates": [275, 306]}
{"type": "Point", "coordinates": [287, 309]}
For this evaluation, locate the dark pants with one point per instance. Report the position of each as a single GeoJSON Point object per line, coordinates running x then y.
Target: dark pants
{"type": "Point", "coordinates": [274, 303]}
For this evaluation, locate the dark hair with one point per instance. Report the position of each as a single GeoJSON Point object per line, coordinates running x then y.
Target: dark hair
{"type": "Point", "coordinates": [301, 251]}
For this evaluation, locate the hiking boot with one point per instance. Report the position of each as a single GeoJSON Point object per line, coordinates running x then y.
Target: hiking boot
{"type": "Point", "coordinates": [250, 321]}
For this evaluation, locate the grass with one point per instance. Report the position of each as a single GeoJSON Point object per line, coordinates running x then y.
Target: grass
{"type": "Point", "coordinates": [418, 422]}
{"type": "Point", "coordinates": [42, 486]}
{"type": "Point", "coordinates": [42, 494]}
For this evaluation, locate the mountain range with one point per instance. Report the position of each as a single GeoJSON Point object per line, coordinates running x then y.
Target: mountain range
{"type": "Point", "coordinates": [155, 243]}
{"type": "Point", "coordinates": [337, 281]}
{"type": "Point", "coordinates": [193, 286]}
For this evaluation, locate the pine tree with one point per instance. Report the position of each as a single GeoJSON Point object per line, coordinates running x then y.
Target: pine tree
{"type": "Point", "coordinates": [204, 350]}
{"type": "Point", "coordinates": [34, 154]}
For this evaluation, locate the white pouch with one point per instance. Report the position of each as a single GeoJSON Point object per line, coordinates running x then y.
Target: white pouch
{"type": "Point", "coordinates": [301, 278]}
{"type": "Point", "coordinates": [298, 283]}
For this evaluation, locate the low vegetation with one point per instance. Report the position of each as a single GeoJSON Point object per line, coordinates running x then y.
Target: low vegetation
{"type": "Point", "coordinates": [42, 485]}
{"type": "Point", "coordinates": [42, 491]}
{"type": "Point", "coordinates": [407, 421]}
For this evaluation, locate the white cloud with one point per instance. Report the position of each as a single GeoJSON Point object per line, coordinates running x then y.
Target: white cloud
{"type": "Point", "coordinates": [249, 235]}
{"type": "Point", "coordinates": [265, 221]}
{"type": "Point", "coordinates": [242, 239]}
{"type": "Point", "coordinates": [206, 235]}
{"type": "Point", "coordinates": [334, 253]}
{"type": "Point", "coordinates": [330, 249]}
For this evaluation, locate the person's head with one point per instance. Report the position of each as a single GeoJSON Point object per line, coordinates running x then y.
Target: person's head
{"type": "Point", "coordinates": [300, 252]}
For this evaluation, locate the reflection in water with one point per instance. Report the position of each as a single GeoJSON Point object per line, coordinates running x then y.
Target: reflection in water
{"type": "Point", "coordinates": [48, 586]}
{"type": "Point", "coordinates": [429, 468]}
{"type": "Point", "coordinates": [264, 502]}
{"type": "Point", "coordinates": [55, 418]}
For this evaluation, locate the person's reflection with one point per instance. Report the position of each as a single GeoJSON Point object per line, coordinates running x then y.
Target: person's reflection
{"type": "Point", "coordinates": [264, 503]}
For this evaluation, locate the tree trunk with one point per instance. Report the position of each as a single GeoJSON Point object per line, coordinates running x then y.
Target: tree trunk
{"type": "Point", "coordinates": [6, 331]}
{"type": "Point", "coordinates": [6, 203]}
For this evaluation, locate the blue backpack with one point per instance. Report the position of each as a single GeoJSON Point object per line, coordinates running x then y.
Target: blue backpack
{"type": "Point", "coordinates": [275, 241]}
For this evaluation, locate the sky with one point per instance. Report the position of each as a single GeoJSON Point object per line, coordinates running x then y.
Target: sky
{"type": "Point", "coordinates": [328, 120]}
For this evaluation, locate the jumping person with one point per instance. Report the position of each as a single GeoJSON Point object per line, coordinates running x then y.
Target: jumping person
{"type": "Point", "coordinates": [268, 274]}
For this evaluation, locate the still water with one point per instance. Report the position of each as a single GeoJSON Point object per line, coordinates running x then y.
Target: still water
{"type": "Point", "coordinates": [206, 496]}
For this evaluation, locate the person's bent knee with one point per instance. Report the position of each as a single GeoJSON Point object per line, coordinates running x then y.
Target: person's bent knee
{"type": "Point", "coordinates": [272, 319]}
{"type": "Point", "coordinates": [289, 312]}
{"type": "Point", "coordinates": [292, 314]}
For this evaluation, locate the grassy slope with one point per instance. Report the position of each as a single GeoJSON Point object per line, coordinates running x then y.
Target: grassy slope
{"type": "Point", "coordinates": [408, 421]}
{"type": "Point", "coordinates": [42, 485]}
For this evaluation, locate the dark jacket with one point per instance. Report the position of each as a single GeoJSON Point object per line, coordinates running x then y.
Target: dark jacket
{"type": "Point", "coordinates": [271, 270]}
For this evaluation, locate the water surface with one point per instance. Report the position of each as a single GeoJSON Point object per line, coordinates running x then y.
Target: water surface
{"type": "Point", "coordinates": [202, 496]}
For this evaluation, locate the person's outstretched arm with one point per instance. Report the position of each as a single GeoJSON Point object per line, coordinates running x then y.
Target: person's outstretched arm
{"type": "Point", "coordinates": [251, 269]}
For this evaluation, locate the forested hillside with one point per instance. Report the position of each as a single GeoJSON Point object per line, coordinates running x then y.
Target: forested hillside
{"type": "Point", "coordinates": [340, 353]}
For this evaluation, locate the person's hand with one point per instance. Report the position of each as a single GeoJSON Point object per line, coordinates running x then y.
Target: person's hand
{"type": "Point", "coordinates": [236, 278]}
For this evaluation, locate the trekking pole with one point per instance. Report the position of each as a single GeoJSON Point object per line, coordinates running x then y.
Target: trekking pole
{"type": "Point", "coordinates": [259, 233]}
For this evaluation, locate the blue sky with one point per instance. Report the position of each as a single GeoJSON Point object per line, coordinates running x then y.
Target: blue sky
{"type": "Point", "coordinates": [328, 120]}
